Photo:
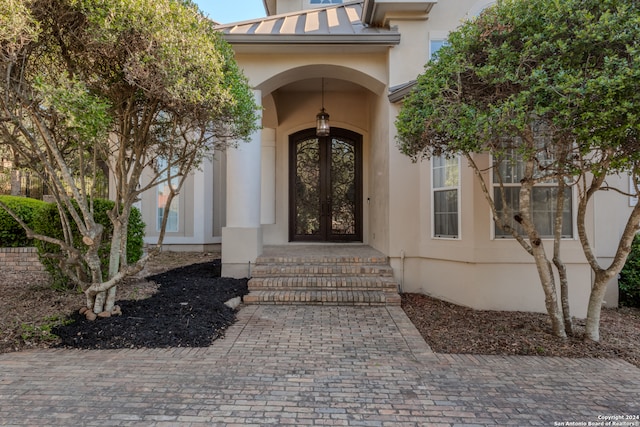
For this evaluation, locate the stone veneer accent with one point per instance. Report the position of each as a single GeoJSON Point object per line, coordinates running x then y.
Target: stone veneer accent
{"type": "Point", "coordinates": [20, 259]}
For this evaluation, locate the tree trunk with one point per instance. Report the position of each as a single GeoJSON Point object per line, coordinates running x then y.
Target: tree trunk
{"type": "Point", "coordinates": [592, 328]}
{"type": "Point", "coordinates": [92, 258]}
{"type": "Point", "coordinates": [602, 276]}
{"type": "Point", "coordinates": [117, 241]}
{"type": "Point", "coordinates": [543, 265]}
{"type": "Point", "coordinates": [548, 286]}
{"type": "Point", "coordinates": [98, 302]}
{"type": "Point", "coordinates": [110, 301]}
{"type": "Point", "coordinates": [564, 295]}
{"type": "Point", "coordinates": [557, 260]}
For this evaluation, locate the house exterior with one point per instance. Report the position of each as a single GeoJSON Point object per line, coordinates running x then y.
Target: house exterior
{"type": "Point", "coordinates": [288, 186]}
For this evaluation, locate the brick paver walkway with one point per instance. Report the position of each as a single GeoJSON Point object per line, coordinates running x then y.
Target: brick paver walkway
{"type": "Point", "coordinates": [321, 365]}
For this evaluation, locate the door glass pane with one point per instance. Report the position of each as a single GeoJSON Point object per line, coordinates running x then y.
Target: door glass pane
{"type": "Point", "coordinates": [307, 187]}
{"type": "Point", "coordinates": [343, 191]}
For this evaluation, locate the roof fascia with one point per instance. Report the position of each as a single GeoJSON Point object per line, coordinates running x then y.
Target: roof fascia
{"type": "Point", "coordinates": [398, 93]}
{"type": "Point", "coordinates": [378, 13]}
{"type": "Point", "coordinates": [269, 7]}
{"type": "Point", "coordinates": [386, 39]}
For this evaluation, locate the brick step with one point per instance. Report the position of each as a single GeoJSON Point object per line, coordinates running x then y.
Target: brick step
{"type": "Point", "coordinates": [322, 297]}
{"type": "Point", "coordinates": [387, 284]}
{"type": "Point", "coordinates": [322, 259]}
{"type": "Point", "coordinates": [316, 270]}
{"type": "Point", "coordinates": [340, 275]}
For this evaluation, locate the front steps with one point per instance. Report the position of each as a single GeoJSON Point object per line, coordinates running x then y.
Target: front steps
{"type": "Point", "coordinates": [322, 275]}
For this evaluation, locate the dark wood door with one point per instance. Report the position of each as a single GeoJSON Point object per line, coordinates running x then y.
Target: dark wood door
{"type": "Point", "coordinates": [325, 186]}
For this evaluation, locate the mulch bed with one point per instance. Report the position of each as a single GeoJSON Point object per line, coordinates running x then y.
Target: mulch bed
{"type": "Point", "coordinates": [450, 328]}
{"type": "Point", "coordinates": [188, 310]}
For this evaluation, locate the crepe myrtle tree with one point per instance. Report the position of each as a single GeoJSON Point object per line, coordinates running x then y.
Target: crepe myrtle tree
{"type": "Point", "coordinates": [551, 90]}
{"type": "Point", "coordinates": [90, 84]}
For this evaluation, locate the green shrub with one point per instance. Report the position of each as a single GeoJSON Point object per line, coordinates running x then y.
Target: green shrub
{"type": "Point", "coordinates": [12, 235]}
{"type": "Point", "coordinates": [629, 282]}
{"type": "Point", "coordinates": [48, 223]}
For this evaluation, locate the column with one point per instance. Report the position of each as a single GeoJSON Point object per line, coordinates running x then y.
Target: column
{"type": "Point", "coordinates": [242, 236]}
{"type": "Point", "coordinates": [268, 199]}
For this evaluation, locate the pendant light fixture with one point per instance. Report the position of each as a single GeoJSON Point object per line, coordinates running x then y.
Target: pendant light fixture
{"type": "Point", "coordinates": [322, 118]}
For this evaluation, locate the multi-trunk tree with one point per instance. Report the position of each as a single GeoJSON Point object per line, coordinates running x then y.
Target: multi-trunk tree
{"type": "Point", "coordinates": [551, 90]}
{"type": "Point", "coordinates": [128, 86]}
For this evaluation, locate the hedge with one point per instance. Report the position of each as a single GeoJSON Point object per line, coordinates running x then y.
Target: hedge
{"type": "Point", "coordinates": [12, 235]}
{"type": "Point", "coordinates": [48, 223]}
{"type": "Point", "coordinates": [629, 282]}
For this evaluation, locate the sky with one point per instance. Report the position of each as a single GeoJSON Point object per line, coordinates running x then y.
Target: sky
{"type": "Point", "coordinates": [226, 11]}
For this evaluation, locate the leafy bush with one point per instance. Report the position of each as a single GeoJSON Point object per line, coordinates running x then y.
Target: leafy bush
{"type": "Point", "coordinates": [48, 223]}
{"type": "Point", "coordinates": [12, 235]}
{"type": "Point", "coordinates": [629, 282]}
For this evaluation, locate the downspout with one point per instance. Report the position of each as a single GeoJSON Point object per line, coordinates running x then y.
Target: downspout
{"type": "Point", "coordinates": [401, 285]}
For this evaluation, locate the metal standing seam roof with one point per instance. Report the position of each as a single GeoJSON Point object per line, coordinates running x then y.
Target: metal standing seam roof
{"type": "Point", "coordinates": [339, 24]}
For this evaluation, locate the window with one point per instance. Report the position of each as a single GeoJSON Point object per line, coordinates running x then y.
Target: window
{"type": "Point", "coordinates": [445, 184]}
{"type": "Point", "coordinates": [543, 198]}
{"type": "Point", "coordinates": [163, 191]}
{"type": "Point", "coordinates": [325, 1]}
{"type": "Point", "coordinates": [435, 45]}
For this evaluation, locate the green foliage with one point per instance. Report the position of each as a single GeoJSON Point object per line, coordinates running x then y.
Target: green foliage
{"type": "Point", "coordinates": [11, 233]}
{"type": "Point", "coordinates": [629, 282]}
{"type": "Point", "coordinates": [166, 52]}
{"type": "Point", "coordinates": [17, 26]}
{"type": "Point", "coordinates": [574, 64]}
{"type": "Point", "coordinates": [48, 223]}
{"type": "Point", "coordinates": [82, 116]}
{"type": "Point", "coordinates": [42, 332]}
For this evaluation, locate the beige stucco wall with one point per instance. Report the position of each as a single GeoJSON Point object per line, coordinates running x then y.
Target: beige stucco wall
{"type": "Point", "coordinates": [491, 286]}
{"type": "Point", "coordinates": [378, 199]}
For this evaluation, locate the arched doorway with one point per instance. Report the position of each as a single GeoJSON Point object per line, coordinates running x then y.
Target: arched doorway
{"type": "Point", "coordinates": [325, 186]}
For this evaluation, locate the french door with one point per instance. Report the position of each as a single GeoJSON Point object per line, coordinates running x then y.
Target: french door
{"type": "Point", "coordinates": [325, 186]}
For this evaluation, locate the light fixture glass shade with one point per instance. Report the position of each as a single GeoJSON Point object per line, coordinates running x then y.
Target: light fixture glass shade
{"type": "Point", "coordinates": [322, 123]}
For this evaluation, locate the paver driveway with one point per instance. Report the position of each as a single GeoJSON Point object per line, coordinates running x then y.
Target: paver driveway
{"type": "Point", "coordinates": [313, 365]}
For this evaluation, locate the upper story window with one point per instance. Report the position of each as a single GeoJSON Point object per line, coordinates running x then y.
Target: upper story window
{"type": "Point", "coordinates": [435, 45]}
{"type": "Point", "coordinates": [445, 184]}
{"type": "Point", "coordinates": [510, 168]}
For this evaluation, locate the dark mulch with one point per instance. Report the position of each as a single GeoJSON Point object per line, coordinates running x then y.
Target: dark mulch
{"type": "Point", "coordinates": [187, 311]}
{"type": "Point", "coordinates": [450, 328]}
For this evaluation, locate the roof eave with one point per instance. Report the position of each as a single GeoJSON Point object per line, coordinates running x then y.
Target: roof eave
{"type": "Point", "coordinates": [307, 39]}
{"type": "Point", "coordinates": [379, 13]}
{"type": "Point", "coordinates": [399, 92]}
